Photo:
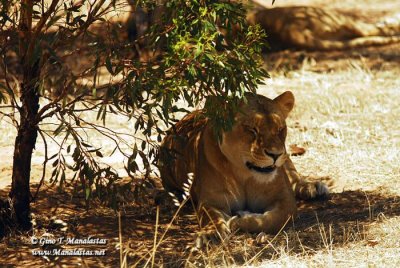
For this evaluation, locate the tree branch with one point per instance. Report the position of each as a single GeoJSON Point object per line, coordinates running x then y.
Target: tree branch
{"type": "Point", "coordinates": [44, 166]}
{"type": "Point", "coordinates": [39, 26]}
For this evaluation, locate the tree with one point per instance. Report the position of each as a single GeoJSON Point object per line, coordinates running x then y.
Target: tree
{"type": "Point", "coordinates": [208, 54]}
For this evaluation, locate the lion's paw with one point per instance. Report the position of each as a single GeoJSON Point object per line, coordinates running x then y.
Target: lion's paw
{"type": "Point", "coordinates": [205, 238]}
{"type": "Point", "coordinates": [312, 190]}
{"type": "Point", "coordinates": [322, 189]}
{"type": "Point", "coordinates": [210, 235]}
{"type": "Point", "coordinates": [261, 238]}
{"type": "Point", "coordinates": [233, 223]}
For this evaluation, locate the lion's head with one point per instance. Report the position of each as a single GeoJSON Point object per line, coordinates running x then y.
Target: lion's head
{"type": "Point", "coordinates": [257, 139]}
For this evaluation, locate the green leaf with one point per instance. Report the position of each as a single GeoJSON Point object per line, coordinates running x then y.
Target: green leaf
{"type": "Point", "coordinates": [86, 144]}
{"type": "Point", "coordinates": [87, 193]}
{"type": "Point", "coordinates": [109, 66]}
{"type": "Point", "coordinates": [55, 163]}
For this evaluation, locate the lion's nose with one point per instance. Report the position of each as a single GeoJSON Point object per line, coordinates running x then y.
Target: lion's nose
{"type": "Point", "coordinates": [273, 155]}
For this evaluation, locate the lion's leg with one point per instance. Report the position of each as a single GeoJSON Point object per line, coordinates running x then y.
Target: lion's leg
{"type": "Point", "coordinates": [362, 29]}
{"type": "Point", "coordinates": [214, 224]}
{"type": "Point", "coordinates": [270, 222]}
{"type": "Point", "coordinates": [304, 189]}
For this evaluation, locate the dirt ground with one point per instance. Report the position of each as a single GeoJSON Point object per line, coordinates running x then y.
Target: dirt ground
{"type": "Point", "coordinates": [346, 117]}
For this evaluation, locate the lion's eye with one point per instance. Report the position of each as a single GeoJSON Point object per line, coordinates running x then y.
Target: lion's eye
{"type": "Point", "coordinates": [254, 131]}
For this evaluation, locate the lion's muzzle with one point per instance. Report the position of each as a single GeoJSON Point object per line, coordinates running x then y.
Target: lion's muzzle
{"type": "Point", "coordinates": [267, 169]}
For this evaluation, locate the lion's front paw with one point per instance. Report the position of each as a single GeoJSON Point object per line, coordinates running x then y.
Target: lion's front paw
{"type": "Point", "coordinates": [248, 222]}
{"type": "Point", "coordinates": [311, 190]}
{"type": "Point", "coordinates": [262, 237]}
{"type": "Point", "coordinates": [204, 238]}
{"type": "Point", "coordinates": [212, 235]}
{"type": "Point", "coordinates": [234, 223]}
{"type": "Point", "coordinates": [322, 189]}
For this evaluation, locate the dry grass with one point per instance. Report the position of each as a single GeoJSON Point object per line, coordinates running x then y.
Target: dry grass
{"type": "Point", "coordinates": [348, 122]}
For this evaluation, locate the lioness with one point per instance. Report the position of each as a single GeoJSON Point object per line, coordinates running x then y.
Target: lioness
{"type": "Point", "coordinates": [315, 28]}
{"type": "Point", "coordinates": [243, 181]}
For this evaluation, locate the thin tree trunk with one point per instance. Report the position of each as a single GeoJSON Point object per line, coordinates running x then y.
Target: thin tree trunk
{"type": "Point", "coordinates": [24, 145]}
{"type": "Point", "coordinates": [27, 129]}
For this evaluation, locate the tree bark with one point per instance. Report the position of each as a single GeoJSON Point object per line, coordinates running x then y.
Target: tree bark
{"type": "Point", "coordinates": [28, 127]}
{"type": "Point", "coordinates": [23, 149]}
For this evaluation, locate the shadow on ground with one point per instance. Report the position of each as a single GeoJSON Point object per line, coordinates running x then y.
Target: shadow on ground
{"type": "Point", "coordinates": [345, 215]}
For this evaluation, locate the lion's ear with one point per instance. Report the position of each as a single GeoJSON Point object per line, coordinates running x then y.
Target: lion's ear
{"type": "Point", "coordinates": [285, 102]}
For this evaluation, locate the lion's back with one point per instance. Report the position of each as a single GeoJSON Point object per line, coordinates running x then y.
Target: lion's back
{"type": "Point", "coordinates": [180, 149]}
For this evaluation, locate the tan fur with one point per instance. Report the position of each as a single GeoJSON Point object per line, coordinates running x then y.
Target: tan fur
{"type": "Point", "coordinates": [229, 193]}
{"type": "Point", "coordinates": [321, 29]}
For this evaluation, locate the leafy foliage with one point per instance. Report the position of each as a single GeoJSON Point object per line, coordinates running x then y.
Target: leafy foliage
{"type": "Point", "coordinates": [207, 56]}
